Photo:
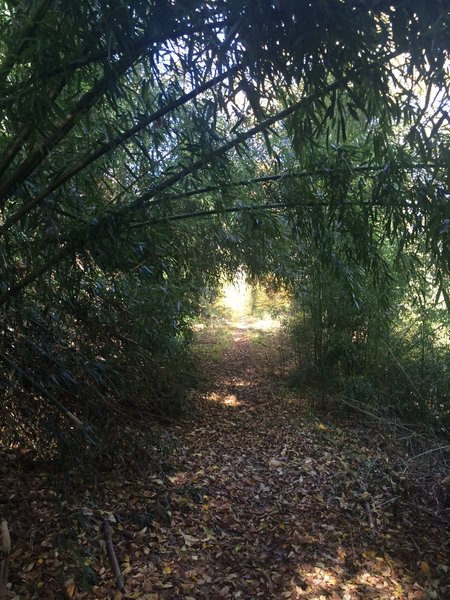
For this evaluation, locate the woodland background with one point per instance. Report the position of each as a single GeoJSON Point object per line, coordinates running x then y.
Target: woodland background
{"type": "Point", "coordinates": [151, 150]}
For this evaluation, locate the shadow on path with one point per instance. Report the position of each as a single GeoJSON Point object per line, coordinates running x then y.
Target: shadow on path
{"type": "Point", "coordinates": [270, 504]}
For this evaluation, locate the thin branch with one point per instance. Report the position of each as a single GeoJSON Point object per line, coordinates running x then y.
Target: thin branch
{"type": "Point", "coordinates": [213, 211]}
{"type": "Point", "coordinates": [354, 405]}
{"type": "Point", "coordinates": [243, 137]}
{"type": "Point", "coordinates": [106, 55]}
{"type": "Point", "coordinates": [139, 45]}
{"type": "Point", "coordinates": [290, 175]}
{"type": "Point", "coordinates": [251, 208]}
{"type": "Point", "coordinates": [371, 519]}
{"type": "Point", "coordinates": [111, 145]}
{"type": "Point", "coordinates": [5, 551]}
{"type": "Point", "coordinates": [14, 147]}
{"type": "Point", "coordinates": [224, 148]}
{"type": "Point", "coordinates": [423, 454]}
{"type": "Point", "coordinates": [388, 348]}
{"type": "Point", "coordinates": [112, 555]}
{"type": "Point", "coordinates": [31, 277]}
{"type": "Point", "coordinates": [427, 511]}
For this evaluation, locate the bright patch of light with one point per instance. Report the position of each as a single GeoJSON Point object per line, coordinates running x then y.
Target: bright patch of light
{"type": "Point", "coordinates": [226, 399]}
{"type": "Point", "coordinates": [231, 400]}
{"type": "Point", "coordinates": [235, 295]}
{"type": "Point", "coordinates": [267, 323]}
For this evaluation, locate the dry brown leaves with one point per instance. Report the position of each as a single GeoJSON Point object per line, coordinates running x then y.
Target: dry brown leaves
{"type": "Point", "coordinates": [266, 503]}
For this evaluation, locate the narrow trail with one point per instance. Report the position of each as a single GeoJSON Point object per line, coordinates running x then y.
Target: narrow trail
{"type": "Point", "coordinates": [272, 504]}
{"type": "Point", "coordinates": [265, 499]}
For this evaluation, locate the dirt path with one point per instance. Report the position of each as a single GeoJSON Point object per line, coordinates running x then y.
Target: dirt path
{"type": "Point", "coordinates": [266, 500]}
{"type": "Point", "coordinates": [271, 504]}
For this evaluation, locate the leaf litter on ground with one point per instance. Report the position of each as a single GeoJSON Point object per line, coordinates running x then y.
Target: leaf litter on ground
{"type": "Point", "coordinates": [266, 501]}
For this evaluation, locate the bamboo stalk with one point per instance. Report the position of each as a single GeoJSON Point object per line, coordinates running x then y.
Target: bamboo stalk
{"type": "Point", "coordinates": [5, 551]}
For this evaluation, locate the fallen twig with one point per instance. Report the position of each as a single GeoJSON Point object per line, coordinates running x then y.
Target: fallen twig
{"type": "Point", "coordinates": [5, 551]}
{"type": "Point", "coordinates": [112, 555]}
{"type": "Point", "coordinates": [371, 518]}
{"type": "Point", "coordinates": [422, 454]}
{"type": "Point", "coordinates": [389, 501]}
{"type": "Point", "coordinates": [428, 512]}
{"type": "Point", "coordinates": [158, 466]}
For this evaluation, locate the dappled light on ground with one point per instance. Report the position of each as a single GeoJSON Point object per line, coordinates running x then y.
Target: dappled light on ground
{"type": "Point", "coordinates": [237, 383]}
{"type": "Point", "coordinates": [375, 581]}
{"type": "Point", "coordinates": [282, 513]}
{"type": "Point", "coordinates": [262, 501]}
{"type": "Point", "coordinates": [226, 399]}
{"type": "Point", "coordinates": [267, 323]}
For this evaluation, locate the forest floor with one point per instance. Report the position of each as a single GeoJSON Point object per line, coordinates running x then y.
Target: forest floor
{"type": "Point", "coordinates": [268, 498]}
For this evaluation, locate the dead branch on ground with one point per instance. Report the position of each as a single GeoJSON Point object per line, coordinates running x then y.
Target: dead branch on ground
{"type": "Point", "coordinates": [112, 555]}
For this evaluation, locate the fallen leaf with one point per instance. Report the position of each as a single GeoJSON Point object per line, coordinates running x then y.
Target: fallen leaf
{"type": "Point", "coordinates": [425, 567]}
{"type": "Point", "coordinates": [70, 589]}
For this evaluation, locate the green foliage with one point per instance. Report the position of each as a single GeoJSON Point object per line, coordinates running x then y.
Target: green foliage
{"type": "Point", "coordinates": [390, 350]}
{"type": "Point", "coordinates": [149, 148]}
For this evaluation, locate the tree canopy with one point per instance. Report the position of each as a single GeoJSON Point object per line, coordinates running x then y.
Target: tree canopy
{"type": "Point", "coordinates": [148, 147]}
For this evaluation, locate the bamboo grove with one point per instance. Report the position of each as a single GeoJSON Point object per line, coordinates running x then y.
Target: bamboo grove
{"type": "Point", "coordinates": [148, 148]}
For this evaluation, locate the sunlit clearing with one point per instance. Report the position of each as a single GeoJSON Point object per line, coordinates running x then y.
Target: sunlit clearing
{"type": "Point", "coordinates": [235, 295]}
